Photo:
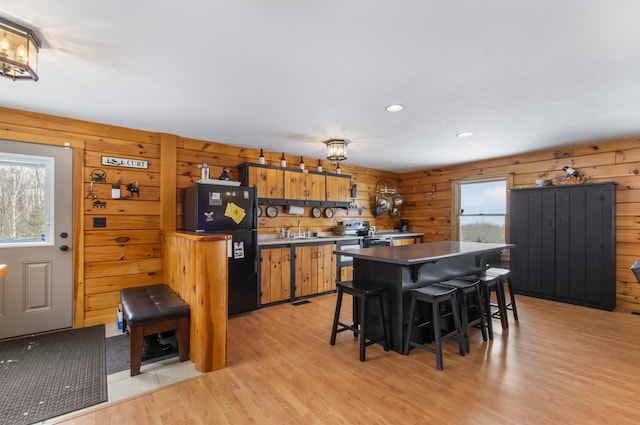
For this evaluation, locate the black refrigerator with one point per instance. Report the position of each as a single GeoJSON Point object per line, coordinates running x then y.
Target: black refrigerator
{"type": "Point", "coordinates": [215, 208]}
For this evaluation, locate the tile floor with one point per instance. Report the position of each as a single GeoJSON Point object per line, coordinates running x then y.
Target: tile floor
{"type": "Point", "coordinates": [152, 376]}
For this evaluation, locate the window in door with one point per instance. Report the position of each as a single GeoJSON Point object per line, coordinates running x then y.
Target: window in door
{"type": "Point", "coordinates": [482, 210]}
{"type": "Point", "coordinates": [26, 191]}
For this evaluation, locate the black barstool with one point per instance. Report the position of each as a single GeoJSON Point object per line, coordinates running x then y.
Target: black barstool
{"type": "Point", "coordinates": [360, 297]}
{"type": "Point", "coordinates": [435, 295]}
{"type": "Point", "coordinates": [491, 283]}
{"type": "Point", "coordinates": [469, 288]}
{"type": "Point", "coordinates": [505, 274]}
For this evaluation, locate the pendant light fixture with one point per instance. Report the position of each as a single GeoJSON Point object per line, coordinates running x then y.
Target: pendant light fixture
{"type": "Point", "coordinates": [336, 149]}
{"type": "Point", "coordinates": [19, 48]}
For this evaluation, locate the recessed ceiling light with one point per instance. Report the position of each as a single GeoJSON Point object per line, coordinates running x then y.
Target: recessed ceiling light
{"type": "Point", "coordinates": [394, 108]}
{"type": "Point", "coordinates": [464, 134]}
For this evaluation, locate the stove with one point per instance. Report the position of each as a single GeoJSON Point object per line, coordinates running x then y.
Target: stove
{"type": "Point", "coordinates": [355, 227]}
{"type": "Point", "coordinates": [361, 228]}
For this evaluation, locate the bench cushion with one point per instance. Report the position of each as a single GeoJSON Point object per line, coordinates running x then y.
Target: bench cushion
{"type": "Point", "coordinates": [146, 305]}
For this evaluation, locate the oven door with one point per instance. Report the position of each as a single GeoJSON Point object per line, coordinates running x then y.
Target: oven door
{"type": "Point", "coordinates": [344, 260]}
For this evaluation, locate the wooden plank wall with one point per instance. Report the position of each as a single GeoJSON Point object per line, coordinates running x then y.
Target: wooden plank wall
{"type": "Point", "coordinates": [193, 153]}
{"type": "Point", "coordinates": [102, 265]}
{"type": "Point", "coordinates": [617, 161]}
{"type": "Point", "coordinates": [127, 252]}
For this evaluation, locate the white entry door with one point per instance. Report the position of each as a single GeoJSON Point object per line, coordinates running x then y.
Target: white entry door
{"type": "Point", "coordinates": [36, 223]}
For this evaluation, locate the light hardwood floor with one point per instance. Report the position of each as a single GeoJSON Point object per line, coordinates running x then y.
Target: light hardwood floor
{"type": "Point", "coordinates": [561, 364]}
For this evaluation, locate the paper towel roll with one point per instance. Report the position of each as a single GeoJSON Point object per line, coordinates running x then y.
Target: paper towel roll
{"type": "Point", "coordinates": [292, 209]}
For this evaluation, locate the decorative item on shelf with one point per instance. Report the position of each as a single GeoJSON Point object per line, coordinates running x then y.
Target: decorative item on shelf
{"type": "Point", "coordinates": [354, 191]}
{"type": "Point", "coordinates": [272, 211]}
{"type": "Point", "coordinates": [432, 194]}
{"type": "Point", "coordinates": [259, 211]}
{"type": "Point", "coordinates": [283, 161]}
{"type": "Point", "coordinates": [574, 177]}
{"type": "Point", "coordinates": [19, 49]}
{"type": "Point", "coordinates": [328, 212]}
{"type": "Point", "coordinates": [226, 174]}
{"type": "Point", "coordinates": [204, 172]}
{"type": "Point", "coordinates": [338, 169]}
{"type": "Point", "coordinates": [98, 175]}
{"type": "Point", "coordinates": [261, 157]}
{"type": "Point", "coordinates": [98, 204]}
{"type": "Point", "coordinates": [301, 163]}
{"type": "Point", "coordinates": [336, 149]}
{"type": "Point", "coordinates": [316, 212]}
{"type": "Point", "coordinates": [133, 188]}
{"type": "Point", "coordinates": [319, 166]}
{"type": "Point", "coordinates": [91, 192]}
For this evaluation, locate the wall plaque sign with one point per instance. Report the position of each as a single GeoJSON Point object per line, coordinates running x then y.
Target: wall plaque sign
{"type": "Point", "coordinates": [125, 162]}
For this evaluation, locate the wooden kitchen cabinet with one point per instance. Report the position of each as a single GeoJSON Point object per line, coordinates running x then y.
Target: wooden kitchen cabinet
{"type": "Point", "coordinates": [269, 182]}
{"type": "Point", "coordinates": [275, 274]}
{"type": "Point", "coordinates": [565, 243]}
{"type": "Point", "coordinates": [299, 185]}
{"type": "Point", "coordinates": [338, 188]}
{"type": "Point", "coordinates": [315, 269]}
{"type": "Point", "coordinates": [288, 186]}
{"type": "Point", "coordinates": [403, 241]}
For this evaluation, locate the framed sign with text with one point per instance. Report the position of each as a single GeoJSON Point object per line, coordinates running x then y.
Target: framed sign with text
{"type": "Point", "coordinates": [125, 162]}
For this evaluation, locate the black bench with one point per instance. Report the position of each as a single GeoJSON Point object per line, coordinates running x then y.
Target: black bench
{"type": "Point", "coordinates": [149, 310]}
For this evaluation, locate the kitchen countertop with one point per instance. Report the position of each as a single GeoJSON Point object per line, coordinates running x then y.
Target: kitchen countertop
{"type": "Point", "coordinates": [397, 233]}
{"type": "Point", "coordinates": [272, 240]}
{"type": "Point", "coordinates": [266, 240]}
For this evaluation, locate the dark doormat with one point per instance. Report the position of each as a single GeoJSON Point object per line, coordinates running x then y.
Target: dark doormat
{"type": "Point", "coordinates": [118, 352]}
{"type": "Point", "coordinates": [48, 375]}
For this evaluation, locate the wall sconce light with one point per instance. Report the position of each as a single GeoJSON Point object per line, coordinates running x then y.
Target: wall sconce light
{"type": "Point", "coordinates": [19, 48]}
{"type": "Point", "coordinates": [336, 149]}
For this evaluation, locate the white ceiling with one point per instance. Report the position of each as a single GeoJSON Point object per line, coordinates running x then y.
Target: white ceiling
{"type": "Point", "coordinates": [284, 75]}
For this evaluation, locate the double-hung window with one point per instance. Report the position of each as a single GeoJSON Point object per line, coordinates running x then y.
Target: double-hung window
{"type": "Point", "coordinates": [482, 210]}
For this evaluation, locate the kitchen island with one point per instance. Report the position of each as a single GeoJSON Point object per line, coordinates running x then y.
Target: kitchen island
{"type": "Point", "coordinates": [398, 269]}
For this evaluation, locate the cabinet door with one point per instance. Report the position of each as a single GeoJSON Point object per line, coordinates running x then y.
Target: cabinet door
{"type": "Point", "coordinates": [304, 186]}
{"type": "Point", "coordinates": [316, 187]}
{"type": "Point", "coordinates": [547, 249]}
{"type": "Point", "coordinates": [295, 185]}
{"type": "Point", "coordinates": [275, 274]}
{"type": "Point", "coordinates": [404, 241]}
{"type": "Point", "coordinates": [346, 273]}
{"type": "Point", "coordinates": [338, 188]}
{"type": "Point", "coordinates": [327, 271]}
{"type": "Point", "coordinates": [315, 269]}
{"type": "Point", "coordinates": [269, 182]}
{"type": "Point", "coordinates": [305, 262]}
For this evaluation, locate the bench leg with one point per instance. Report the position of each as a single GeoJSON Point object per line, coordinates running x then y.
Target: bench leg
{"type": "Point", "coordinates": [136, 335]}
{"type": "Point", "coordinates": [182, 337]}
